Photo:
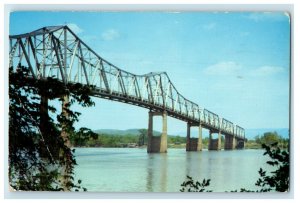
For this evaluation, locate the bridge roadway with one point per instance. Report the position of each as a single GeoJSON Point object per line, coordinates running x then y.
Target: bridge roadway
{"type": "Point", "coordinates": [56, 51]}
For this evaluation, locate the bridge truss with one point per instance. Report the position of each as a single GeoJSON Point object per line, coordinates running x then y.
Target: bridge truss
{"type": "Point", "coordinates": [56, 51]}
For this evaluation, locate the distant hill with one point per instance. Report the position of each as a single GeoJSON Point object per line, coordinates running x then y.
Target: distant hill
{"type": "Point", "coordinates": [123, 132]}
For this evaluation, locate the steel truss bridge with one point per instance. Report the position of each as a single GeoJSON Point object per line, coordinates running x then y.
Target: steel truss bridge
{"type": "Point", "coordinates": [56, 51]}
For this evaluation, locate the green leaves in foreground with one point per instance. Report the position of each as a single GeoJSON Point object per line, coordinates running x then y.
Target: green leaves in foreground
{"type": "Point", "coordinates": [190, 186]}
{"type": "Point", "coordinates": [40, 158]}
{"type": "Point", "coordinates": [279, 179]}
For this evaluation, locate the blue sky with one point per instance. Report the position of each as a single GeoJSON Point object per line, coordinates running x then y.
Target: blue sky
{"type": "Point", "coordinates": [234, 64]}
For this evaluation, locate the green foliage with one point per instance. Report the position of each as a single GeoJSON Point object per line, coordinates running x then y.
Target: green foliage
{"type": "Point", "coordinates": [190, 186]}
{"type": "Point", "coordinates": [205, 142]}
{"type": "Point", "coordinates": [115, 140]}
{"type": "Point", "coordinates": [39, 158]}
{"type": "Point", "coordinates": [142, 137]}
{"type": "Point", "coordinates": [267, 138]}
{"type": "Point", "coordinates": [278, 180]}
{"type": "Point", "coordinates": [79, 138]}
{"type": "Point", "coordinates": [176, 140]}
{"type": "Point", "coordinates": [251, 144]}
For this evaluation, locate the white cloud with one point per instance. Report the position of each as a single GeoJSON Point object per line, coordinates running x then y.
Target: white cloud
{"type": "Point", "coordinates": [245, 34]}
{"type": "Point", "coordinates": [75, 28]}
{"type": "Point", "coordinates": [209, 26]}
{"type": "Point", "coordinates": [110, 34]}
{"type": "Point", "coordinates": [267, 70]}
{"type": "Point", "coordinates": [268, 16]}
{"type": "Point", "coordinates": [223, 68]}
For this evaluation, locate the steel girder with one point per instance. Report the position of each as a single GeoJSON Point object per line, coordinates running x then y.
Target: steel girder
{"type": "Point", "coordinates": [56, 51]}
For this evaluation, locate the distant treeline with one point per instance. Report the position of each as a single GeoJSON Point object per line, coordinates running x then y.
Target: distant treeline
{"type": "Point", "coordinates": [267, 138]}
{"type": "Point", "coordinates": [87, 138]}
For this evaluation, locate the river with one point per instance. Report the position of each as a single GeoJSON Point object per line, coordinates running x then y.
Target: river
{"type": "Point", "coordinates": [133, 170]}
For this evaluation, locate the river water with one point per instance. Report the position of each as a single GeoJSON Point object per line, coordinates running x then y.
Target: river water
{"type": "Point", "coordinates": [133, 170]}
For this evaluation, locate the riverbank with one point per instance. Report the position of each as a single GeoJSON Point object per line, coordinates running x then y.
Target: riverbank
{"type": "Point", "coordinates": [176, 146]}
{"type": "Point", "coordinates": [178, 142]}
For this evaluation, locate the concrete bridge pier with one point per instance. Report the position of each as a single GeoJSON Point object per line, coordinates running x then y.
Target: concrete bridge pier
{"type": "Point", "coordinates": [219, 141]}
{"type": "Point", "coordinates": [214, 144]}
{"type": "Point", "coordinates": [193, 144]}
{"type": "Point", "coordinates": [199, 146]}
{"type": "Point", "coordinates": [157, 144]}
{"type": "Point", "coordinates": [234, 142]}
{"type": "Point", "coordinates": [230, 142]}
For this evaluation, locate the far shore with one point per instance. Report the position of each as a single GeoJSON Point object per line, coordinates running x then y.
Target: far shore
{"type": "Point", "coordinates": [169, 147]}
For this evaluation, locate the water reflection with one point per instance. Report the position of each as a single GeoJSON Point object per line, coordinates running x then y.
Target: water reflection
{"type": "Point", "coordinates": [188, 164]}
{"type": "Point", "coordinates": [149, 179]}
{"type": "Point", "coordinates": [133, 170]}
{"type": "Point", "coordinates": [163, 172]}
{"type": "Point", "coordinates": [157, 176]}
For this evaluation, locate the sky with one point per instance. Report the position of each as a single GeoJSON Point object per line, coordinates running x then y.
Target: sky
{"type": "Point", "coordinates": [235, 64]}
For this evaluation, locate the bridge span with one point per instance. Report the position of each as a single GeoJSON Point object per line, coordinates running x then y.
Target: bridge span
{"type": "Point", "coordinates": [56, 51]}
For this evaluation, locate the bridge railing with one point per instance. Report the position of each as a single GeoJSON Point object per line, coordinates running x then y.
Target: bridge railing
{"type": "Point", "coordinates": [240, 132]}
{"type": "Point", "coordinates": [210, 118]}
{"type": "Point", "coordinates": [227, 126]}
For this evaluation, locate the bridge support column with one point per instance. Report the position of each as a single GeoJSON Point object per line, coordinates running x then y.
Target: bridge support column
{"type": "Point", "coordinates": [163, 140]}
{"type": "Point", "coordinates": [193, 144]}
{"type": "Point", "coordinates": [229, 142]}
{"type": "Point", "coordinates": [219, 140]}
{"type": "Point", "coordinates": [199, 146]}
{"type": "Point", "coordinates": [157, 144]}
{"type": "Point", "coordinates": [150, 132]}
{"type": "Point", "coordinates": [233, 142]}
{"type": "Point", "coordinates": [188, 137]}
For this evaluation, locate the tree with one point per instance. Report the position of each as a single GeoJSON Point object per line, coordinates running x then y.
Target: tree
{"type": "Point", "coordinates": [79, 138]}
{"type": "Point", "coordinates": [270, 138]}
{"type": "Point", "coordinates": [257, 139]}
{"type": "Point", "coordinates": [39, 158]}
{"type": "Point", "coordinates": [143, 134]}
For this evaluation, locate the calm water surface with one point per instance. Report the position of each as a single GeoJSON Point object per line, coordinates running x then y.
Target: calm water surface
{"type": "Point", "coordinates": [133, 170]}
